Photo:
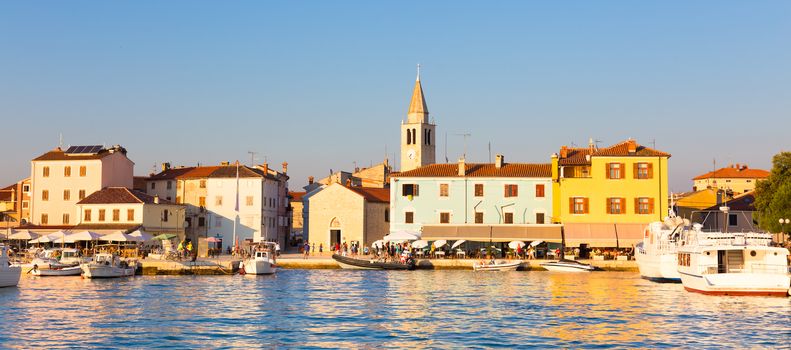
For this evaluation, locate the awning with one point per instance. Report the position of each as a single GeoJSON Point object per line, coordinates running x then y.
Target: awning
{"type": "Point", "coordinates": [495, 233]}
{"type": "Point", "coordinates": [603, 235]}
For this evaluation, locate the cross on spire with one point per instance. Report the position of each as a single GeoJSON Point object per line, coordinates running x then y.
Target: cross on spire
{"type": "Point", "coordinates": [418, 72]}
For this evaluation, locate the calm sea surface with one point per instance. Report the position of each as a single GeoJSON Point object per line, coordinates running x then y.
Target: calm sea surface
{"type": "Point", "coordinates": [371, 309]}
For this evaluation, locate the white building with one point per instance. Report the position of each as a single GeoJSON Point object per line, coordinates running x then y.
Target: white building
{"type": "Point", "coordinates": [59, 179]}
{"type": "Point", "coordinates": [119, 208]}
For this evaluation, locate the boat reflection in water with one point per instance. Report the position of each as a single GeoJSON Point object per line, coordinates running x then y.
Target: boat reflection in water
{"type": "Point", "coordinates": [376, 308]}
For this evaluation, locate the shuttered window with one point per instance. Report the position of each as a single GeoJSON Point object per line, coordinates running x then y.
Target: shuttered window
{"type": "Point", "coordinates": [616, 205]}
{"type": "Point", "coordinates": [643, 171]}
{"type": "Point", "coordinates": [615, 170]}
{"type": "Point", "coordinates": [578, 205]}
{"type": "Point", "coordinates": [540, 191]}
{"type": "Point", "coordinates": [643, 205]}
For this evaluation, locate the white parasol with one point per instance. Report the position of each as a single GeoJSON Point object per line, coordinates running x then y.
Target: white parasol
{"type": "Point", "coordinates": [144, 236]}
{"type": "Point", "coordinates": [48, 238]}
{"type": "Point", "coordinates": [378, 244]}
{"type": "Point", "coordinates": [24, 235]}
{"type": "Point", "coordinates": [535, 243]}
{"type": "Point", "coordinates": [121, 237]}
{"type": "Point", "coordinates": [81, 236]}
{"type": "Point", "coordinates": [402, 236]}
{"type": "Point", "coordinates": [440, 243]}
{"type": "Point", "coordinates": [419, 244]}
{"type": "Point", "coordinates": [458, 243]}
{"type": "Point", "coordinates": [516, 244]}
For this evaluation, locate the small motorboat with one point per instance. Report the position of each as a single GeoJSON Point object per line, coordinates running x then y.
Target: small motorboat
{"type": "Point", "coordinates": [106, 265]}
{"type": "Point", "coordinates": [9, 275]}
{"type": "Point", "coordinates": [564, 265]}
{"type": "Point", "coordinates": [262, 262]}
{"type": "Point", "coordinates": [500, 265]}
{"type": "Point", "coordinates": [59, 271]}
{"type": "Point", "coordinates": [351, 263]}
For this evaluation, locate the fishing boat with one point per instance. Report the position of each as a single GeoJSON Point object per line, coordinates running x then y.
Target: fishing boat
{"type": "Point", "coordinates": [564, 265]}
{"type": "Point", "coordinates": [722, 263]}
{"type": "Point", "coordinates": [656, 255]}
{"type": "Point", "coordinates": [47, 259]}
{"type": "Point", "coordinates": [500, 265]}
{"type": "Point", "coordinates": [60, 271]}
{"type": "Point", "coordinates": [107, 265]}
{"type": "Point", "coordinates": [351, 263]}
{"type": "Point", "coordinates": [9, 275]}
{"type": "Point", "coordinates": [262, 262]}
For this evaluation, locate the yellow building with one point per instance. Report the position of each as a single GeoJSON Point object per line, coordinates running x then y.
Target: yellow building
{"type": "Point", "coordinates": [606, 196]}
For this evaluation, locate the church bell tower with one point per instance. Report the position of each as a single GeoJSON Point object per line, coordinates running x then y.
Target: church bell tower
{"type": "Point", "coordinates": [417, 133]}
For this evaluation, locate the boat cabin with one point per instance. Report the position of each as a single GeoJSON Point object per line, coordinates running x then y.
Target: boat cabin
{"type": "Point", "coordinates": [104, 258]}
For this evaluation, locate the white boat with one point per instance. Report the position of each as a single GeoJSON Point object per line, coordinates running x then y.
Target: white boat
{"type": "Point", "coordinates": [567, 266]}
{"type": "Point", "coordinates": [500, 265]}
{"type": "Point", "coordinates": [61, 271]}
{"type": "Point", "coordinates": [106, 265]}
{"type": "Point", "coordinates": [721, 263]}
{"type": "Point", "coordinates": [47, 259]}
{"type": "Point", "coordinates": [73, 257]}
{"type": "Point", "coordinates": [656, 255]}
{"type": "Point", "coordinates": [9, 275]}
{"type": "Point", "coordinates": [262, 262]}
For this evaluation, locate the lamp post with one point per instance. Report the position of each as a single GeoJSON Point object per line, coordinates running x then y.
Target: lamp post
{"type": "Point", "coordinates": [783, 222]}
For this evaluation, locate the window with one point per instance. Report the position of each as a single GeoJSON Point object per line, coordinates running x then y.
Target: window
{"type": "Point", "coordinates": [153, 185]}
{"type": "Point", "coordinates": [82, 194]}
{"type": "Point", "coordinates": [443, 190]}
{"type": "Point", "coordinates": [644, 205]}
{"type": "Point", "coordinates": [511, 190]}
{"type": "Point", "coordinates": [25, 204]}
{"type": "Point", "coordinates": [444, 218]}
{"type": "Point", "coordinates": [201, 221]}
{"type": "Point", "coordinates": [478, 190]}
{"type": "Point", "coordinates": [170, 184]}
{"type": "Point", "coordinates": [87, 215]}
{"type": "Point", "coordinates": [540, 191]}
{"type": "Point", "coordinates": [83, 170]}
{"type": "Point", "coordinates": [578, 205]}
{"type": "Point", "coordinates": [387, 215]}
{"type": "Point", "coordinates": [732, 220]}
{"type": "Point", "coordinates": [478, 217]}
{"type": "Point", "coordinates": [65, 219]}
{"type": "Point", "coordinates": [165, 215]}
{"type": "Point", "coordinates": [249, 201]}
{"type": "Point", "coordinates": [643, 170]}
{"type": "Point", "coordinates": [45, 171]}
{"type": "Point", "coordinates": [202, 201]}
{"type": "Point", "coordinates": [409, 190]}
{"type": "Point", "coordinates": [66, 195]}
{"type": "Point", "coordinates": [66, 171]}
{"type": "Point", "coordinates": [614, 171]}
{"type": "Point", "coordinates": [408, 137]}
{"type": "Point", "coordinates": [101, 214]}
{"type": "Point", "coordinates": [218, 221]}
{"type": "Point", "coordinates": [616, 205]}
{"type": "Point", "coordinates": [45, 195]}
{"type": "Point", "coordinates": [116, 214]}
{"type": "Point", "coordinates": [748, 181]}
{"type": "Point", "coordinates": [409, 217]}
{"type": "Point", "coordinates": [202, 184]}
{"type": "Point", "coordinates": [539, 218]}
{"type": "Point", "coordinates": [130, 215]}
{"type": "Point", "coordinates": [508, 218]}
{"type": "Point", "coordinates": [26, 188]}
{"type": "Point", "coordinates": [44, 219]}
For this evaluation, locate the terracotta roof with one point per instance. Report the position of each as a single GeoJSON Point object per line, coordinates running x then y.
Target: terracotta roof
{"type": "Point", "coordinates": [481, 170]}
{"type": "Point", "coordinates": [117, 195]}
{"type": "Point", "coordinates": [230, 171]}
{"type": "Point", "coordinates": [296, 196]}
{"type": "Point", "coordinates": [577, 156]}
{"type": "Point", "coordinates": [196, 172]}
{"type": "Point", "coordinates": [170, 174]}
{"type": "Point", "coordinates": [381, 195]}
{"type": "Point", "coordinates": [733, 172]}
{"type": "Point", "coordinates": [59, 154]}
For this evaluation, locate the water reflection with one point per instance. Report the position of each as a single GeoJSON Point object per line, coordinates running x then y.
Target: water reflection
{"type": "Point", "coordinates": [420, 309]}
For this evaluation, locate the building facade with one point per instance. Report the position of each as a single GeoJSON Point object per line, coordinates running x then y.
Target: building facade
{"type": "Point", "coordinates": [120, 208]}
{"type": "Point", "coordinates": [60, 179]}
{"type": "Point", "coordinates": [605, 197]}
{"type": "Point", "coordinates": [738, 178]}
{"type": "Point", "coordinates": [348, 214]}
{"type": "Point", "coordinates": [15, 204]}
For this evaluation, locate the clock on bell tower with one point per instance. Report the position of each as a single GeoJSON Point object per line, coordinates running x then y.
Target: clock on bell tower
{"type": "Point", "coordinates": [417, 133]}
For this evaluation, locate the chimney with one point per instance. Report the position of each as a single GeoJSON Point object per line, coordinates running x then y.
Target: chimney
{"type": "Point", "coordinates": [265, 167]}
{"type": "Point", "coordinates": [225, 163]}
{"type": "Point", "coordinates": [285, 167]}
{"type": "Point", "coordinates": [462, 167]}
{"type": "Point", "coordinates": [348, 182]}
{"type": "Point", "coordinates": [564, 152]}
{"type": "Point", "coordinates": [165, 166]}
{"type": "Point", "coordinates": [744, 166]}
{"type": "Point", "coordinates": [499, 160]}
{"type": "Point", "coordinates": [310, 180]}
{"type": "Point", "coordinates": [591, 145]}
{"type": "Point", "coordinates": [631, 146]}
{"type": "Point", "coordinates": [156, 199]}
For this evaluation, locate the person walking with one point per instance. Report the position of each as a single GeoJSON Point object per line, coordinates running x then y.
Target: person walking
{"type": "Point", "coordinates": [321, 248]}
{"type": "Point", "coordinates": [313, 249]}
{"type": "Point", "coordinates": [306, 250]}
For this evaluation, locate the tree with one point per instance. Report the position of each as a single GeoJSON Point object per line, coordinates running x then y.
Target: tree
{"type": "Point", "coordinates": [773, 195]}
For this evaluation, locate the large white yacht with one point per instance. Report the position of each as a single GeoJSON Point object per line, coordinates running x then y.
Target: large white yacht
{"type": "Point", "coordinates": [9, 275]}
{"type": "Point", "coordinates": [736, 263]}
{"type": "Point", "coordinates": [656, 255]}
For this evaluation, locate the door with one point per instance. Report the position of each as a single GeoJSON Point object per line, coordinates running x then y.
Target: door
{"type": "Point", "coordinates": [721, 267]}
{"type": "Point", "coordinates": [335, 237]}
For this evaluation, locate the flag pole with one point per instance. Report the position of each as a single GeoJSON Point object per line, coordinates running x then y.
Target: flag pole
{"type": "Point", "coordinates": [236, 206]}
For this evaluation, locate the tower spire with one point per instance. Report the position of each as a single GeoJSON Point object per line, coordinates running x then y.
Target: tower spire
{"type": "Point", "coordinates": [418, 111]}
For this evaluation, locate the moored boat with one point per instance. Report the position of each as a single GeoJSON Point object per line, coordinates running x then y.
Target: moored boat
{"type": "Point", "coordinates": [721, 263]}
{"type": "Point", "coordinates": [9, 275]}
{"type": "Point", "coordinates": [351, 263]}
{"type": "Point", "coordinates": [262, 262]}
{"type": "Point", "coordinates": [564, 265]}
{"type": "Point", "coordinates": [500, 265]}
{"type": "Point", "coordinates": [61, 271]}
{"type": "Point", "coordinates": [106, 265]}
{"type": "Point", "coordinates": [656, 255]}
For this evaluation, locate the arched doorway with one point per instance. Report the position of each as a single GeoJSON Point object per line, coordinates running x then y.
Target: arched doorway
{"type": "Point", "coordinates": [335, 231]}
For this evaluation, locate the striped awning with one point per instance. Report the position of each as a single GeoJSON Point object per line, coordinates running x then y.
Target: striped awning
{"type": "Point", "coordinates": [494, 233]}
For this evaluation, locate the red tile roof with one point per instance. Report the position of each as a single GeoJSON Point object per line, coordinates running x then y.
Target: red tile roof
{"type": "Point", "coordinates": [734, 173]}
{"type": "Point", "coordinates": [381, 195]}
{"type": "Point", "coordinates": [59, 154]}
{"type": "Point", "coordinates": [481, 170]}
{"type": "Point", "coordinates": [118, 195]}
{"type": "Point", "coordinates": [578, 156]}
{"type": "Point", "coordinates": [296, 196]}
{"type": "Point", "coordinates": [197, 172]}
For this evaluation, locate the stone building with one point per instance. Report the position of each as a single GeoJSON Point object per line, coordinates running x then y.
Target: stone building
{"type": "Point", "coordinates": [349, 214]}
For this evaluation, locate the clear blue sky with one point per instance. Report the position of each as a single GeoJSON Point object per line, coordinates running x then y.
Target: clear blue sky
{"type": "Point", "coordinates": [323, 84]}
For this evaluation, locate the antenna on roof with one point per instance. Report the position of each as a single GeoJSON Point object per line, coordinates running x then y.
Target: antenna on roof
{"type": "Point", "coordinates": [490, 151]}
{"type": "Point", "coordinates": [653, 143]}
{"type": "Point", "coordinates": [465, 135]}
{"type": "Point", "coordinates": [446, 147]}
{"type": "Point", "coordinates": [252, 157]}
{"type": "Point", "coordinates": [60, 140]}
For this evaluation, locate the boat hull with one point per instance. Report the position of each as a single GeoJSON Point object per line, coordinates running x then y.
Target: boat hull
{"type": "Point", "coordinates": [510, 266]}
{"type": "Point", "coordinates": [736, 284]}
{"type": "Point", "coordinates": [658, 268]}
{"type": "Point", "coordinates": [259, 267]}
{"type": "Point", "coordinates": [567, 267]}
{"type": "Point", "coordinates": [359, 264]}
{"type": "Point", "coordinates": [106, 271]}
{"type": "Point", "coordinates": [9, 276]}
{"type": "Point", "coordinates": [66, 271]}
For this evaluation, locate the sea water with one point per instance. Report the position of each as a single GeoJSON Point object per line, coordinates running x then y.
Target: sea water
{"type": "Point", "coordinates": [393, 309]}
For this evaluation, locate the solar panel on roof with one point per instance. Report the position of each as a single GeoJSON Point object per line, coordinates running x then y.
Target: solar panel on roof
{"type": "Point", "coordinates": [84, 149]}
{"type": "Point", "coordinates": [71, 149]}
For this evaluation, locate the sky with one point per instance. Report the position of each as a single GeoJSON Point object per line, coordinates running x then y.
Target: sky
{"type": "Point", "coordinates": [324, 85]}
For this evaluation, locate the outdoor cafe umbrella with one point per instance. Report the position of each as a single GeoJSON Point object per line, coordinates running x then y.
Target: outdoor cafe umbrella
{"type": "Point", "coordinates": [535, 243]}
{"type": "Point", "coordinates": [121, 237]}
{"type": "Point", "coordinates": [165, 236]}
{"type": "Point", "coordinates": [516, 244]}
{"type": "Point", "coordinates": [458, 243]}
{"type": "Point", "coordinates": [378, 244]}
{"type": "Point", "coordinates": [145, 236]}
{"type": "Point", "coordinates": [440, 243]}
{"type": "Point", "coordinates": [402, 236]}
{"type": "Point", "coordinates": [24, 235]}
{"type": "Point", "coordinates": [48, 238]}
{"type": "Point", "coordinates": [213, 240]}
{"type": "Point", "coordinates": [82, 236]}
{"type": "Point", "coordinates": [419, 244]}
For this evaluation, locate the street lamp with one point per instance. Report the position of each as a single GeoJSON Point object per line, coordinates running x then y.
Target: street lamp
{"type": "Point", "coordinates": [783, 223]}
